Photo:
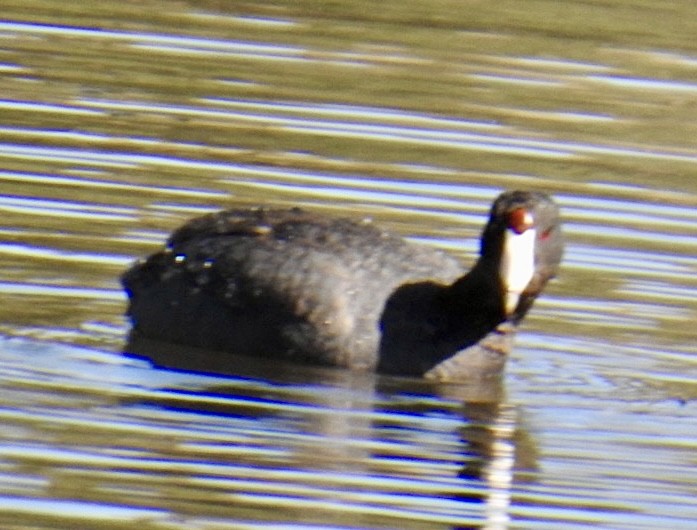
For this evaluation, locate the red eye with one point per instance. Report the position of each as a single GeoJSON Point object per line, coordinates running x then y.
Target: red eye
{"type": "Point", "coordinates": [545, 235]}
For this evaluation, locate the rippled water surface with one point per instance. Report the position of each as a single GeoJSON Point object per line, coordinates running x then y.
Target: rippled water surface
{"type": "Point", "coordinates": [118, 121]}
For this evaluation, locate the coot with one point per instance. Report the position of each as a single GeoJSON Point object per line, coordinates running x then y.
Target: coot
{"type": "Point", "coordinates": [296, 285]}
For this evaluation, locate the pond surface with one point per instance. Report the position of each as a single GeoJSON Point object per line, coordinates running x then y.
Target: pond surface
{"type": "Point", "coordinates": [119, 121]}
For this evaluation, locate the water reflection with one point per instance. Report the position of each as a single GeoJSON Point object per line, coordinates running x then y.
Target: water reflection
{"type": "Point", "coordinates": [442, 444]}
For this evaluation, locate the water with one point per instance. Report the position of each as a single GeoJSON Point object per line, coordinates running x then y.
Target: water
{"type": "Point", "coordinates": [120, 121]}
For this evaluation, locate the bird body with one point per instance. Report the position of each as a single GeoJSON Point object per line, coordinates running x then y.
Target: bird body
{"type": "Point", "coordinates": [296, 285]}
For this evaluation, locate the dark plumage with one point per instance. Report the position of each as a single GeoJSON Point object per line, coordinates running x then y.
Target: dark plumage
{"type": "Point", "coordinates": [292, 284]}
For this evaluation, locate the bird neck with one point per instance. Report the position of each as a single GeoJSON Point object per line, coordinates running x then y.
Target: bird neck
{"type": "Point", "coordinates": [479, 297]}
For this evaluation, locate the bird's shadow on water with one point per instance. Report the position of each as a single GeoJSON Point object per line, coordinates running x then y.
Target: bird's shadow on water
{"type": "Point", "coordinates": [370, 424]}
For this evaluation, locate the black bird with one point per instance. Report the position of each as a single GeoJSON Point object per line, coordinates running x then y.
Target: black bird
{"type": "Point", "coordinates": [293, 284]}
